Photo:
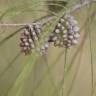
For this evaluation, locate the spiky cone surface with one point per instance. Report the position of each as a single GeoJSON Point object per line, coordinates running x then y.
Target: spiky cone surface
{"type": "Point", "coordinates": [66, 32]}
{"type": "Point", "coordinates": [29, 37]}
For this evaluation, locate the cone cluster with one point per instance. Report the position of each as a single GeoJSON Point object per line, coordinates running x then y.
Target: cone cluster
{"type": "Point", "coordinates": [66, 32]}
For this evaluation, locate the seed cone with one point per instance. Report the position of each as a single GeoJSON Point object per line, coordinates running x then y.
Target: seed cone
{"type": "Point", "coordinates": [66, 32]}
{"type": "Point", "coordinates": [29, 37]}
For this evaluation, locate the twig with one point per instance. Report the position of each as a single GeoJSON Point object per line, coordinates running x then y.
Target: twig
{"type": "Point", "coordinates": [42, 22]}
{"type": "Point", "coordinates": [65, 62]}
{"type": "Point", "coordinates": [45, 20]}
{"type": "Point", "coordinates": [80, 5]}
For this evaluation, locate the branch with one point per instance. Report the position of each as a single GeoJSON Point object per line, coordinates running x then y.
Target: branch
{"type": "Point", "coordinates": [80, 5]}
{"type": "Point", "coordinates": [47, 19]}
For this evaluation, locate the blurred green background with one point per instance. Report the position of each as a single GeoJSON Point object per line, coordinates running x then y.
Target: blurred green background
{"type": "Point", "coordinates": [36, 75]}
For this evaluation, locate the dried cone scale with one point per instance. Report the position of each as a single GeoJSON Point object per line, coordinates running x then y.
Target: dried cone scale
{"type": "Point", "coordinates": [66, 32]}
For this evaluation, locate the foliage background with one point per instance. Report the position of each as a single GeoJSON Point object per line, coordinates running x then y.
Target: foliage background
{"type": "Point", "coordinates": [36, 75]}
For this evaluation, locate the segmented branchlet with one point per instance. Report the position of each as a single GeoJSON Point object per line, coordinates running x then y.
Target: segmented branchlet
{"type": "Point", "coordinates": [66, 32]}
{"type": "Point", "coordinates": [29, 37]}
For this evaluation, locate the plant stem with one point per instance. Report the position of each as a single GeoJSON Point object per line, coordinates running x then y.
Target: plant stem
{"type": "Point", "coordinates": [45, 20]}
{"type": "Point", "coordinates": [65, 62]}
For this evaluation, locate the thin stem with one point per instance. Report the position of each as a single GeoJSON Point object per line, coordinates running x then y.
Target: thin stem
{"type": "Point", "coordinates": [10, 64]}
{"type": "Point", "coordinates": [91, 55]}
{"type": "Point", "coordinates": [65, 62]}
{"type": "Point", "coordinates": [80, 5]}
{"type": "Point", "coordinates": [61, 84]}
{"type": "Point", "coordinates": [91, 58]}
{"type": "Point", "coordinates": [74, 8]}
{"type": "Point", "coordinates": [76, 72]}
{"type": "Point", "coordinates": [11, 35]}
{"type": "Point", "coordinates": [42, 22]}
{"type": "Point", "coordinates": [90, 46]}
